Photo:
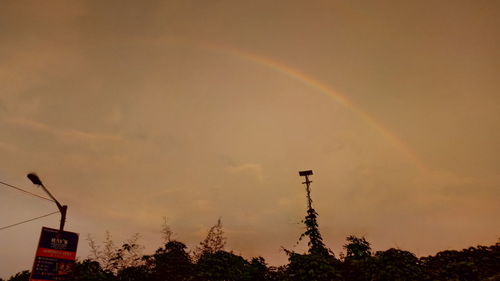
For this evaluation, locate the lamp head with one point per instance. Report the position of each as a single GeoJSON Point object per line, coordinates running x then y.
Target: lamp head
{"type": "Point", "coordinates": [34, 179]}
{"type": "Point", "coordinates": [305, 173]}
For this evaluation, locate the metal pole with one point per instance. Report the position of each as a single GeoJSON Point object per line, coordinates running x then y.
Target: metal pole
{"type": "Point", "coordinates": [306, 174]}
{"type": "Point", "coordinates": [308, 189]}
{"type": "Point", "coordinates": [62, 208]}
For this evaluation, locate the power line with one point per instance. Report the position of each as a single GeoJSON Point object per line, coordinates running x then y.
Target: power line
{"type": "Point", "coordinates": [22, 190]}
{"type": "Point", "coordinates": [8, 226]}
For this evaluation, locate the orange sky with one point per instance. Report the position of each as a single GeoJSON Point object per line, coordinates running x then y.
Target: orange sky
{"type": "Point", "coordinates": [196, 110]}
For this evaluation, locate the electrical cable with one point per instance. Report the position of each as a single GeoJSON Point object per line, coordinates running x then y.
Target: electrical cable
{"type": "Point", "coordinates": [8, 226]}
{"type": "Point", "coordinates": [22, 190]}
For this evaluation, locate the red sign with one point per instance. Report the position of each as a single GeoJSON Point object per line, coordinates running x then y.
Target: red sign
{"type": "Point", "coordinates": [55, 256]}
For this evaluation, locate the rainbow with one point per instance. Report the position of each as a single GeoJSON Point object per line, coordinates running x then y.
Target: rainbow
{"type": "Point", "coordinates": [313, 83]}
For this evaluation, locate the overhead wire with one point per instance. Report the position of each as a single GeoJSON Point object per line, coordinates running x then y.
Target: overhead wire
{"type": "Point", "coordinates": [12, 225]}
{"type": "Point", "coordinates": [32, 194]}
{"type": "Point", "coordinates": [25, 191]}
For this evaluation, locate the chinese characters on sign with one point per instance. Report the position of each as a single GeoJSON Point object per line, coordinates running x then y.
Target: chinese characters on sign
{"type": "Point", "coordinates": [55, 255]}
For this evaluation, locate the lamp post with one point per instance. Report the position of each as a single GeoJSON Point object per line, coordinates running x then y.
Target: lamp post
{"type": "Point", "coordinates": [62, 208]}
{"type": "Point", "coordinates": [306, 174]}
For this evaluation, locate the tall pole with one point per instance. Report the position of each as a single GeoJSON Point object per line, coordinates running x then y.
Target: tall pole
{"type": "Point", "coordinates": [312, 229]}
{"type": "Point", "coordinates": [306, 174]}
{"type": "Point", "coordinates": [62, 208]}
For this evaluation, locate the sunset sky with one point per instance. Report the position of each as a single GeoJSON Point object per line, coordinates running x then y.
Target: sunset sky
{"type": "Point", "coordinates": [194, 110]}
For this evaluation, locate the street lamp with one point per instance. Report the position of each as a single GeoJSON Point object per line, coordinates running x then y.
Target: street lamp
{"type": "Point", "coordinates": [306, 174]}
{"type": "Point", "coordinates": [62, 208]}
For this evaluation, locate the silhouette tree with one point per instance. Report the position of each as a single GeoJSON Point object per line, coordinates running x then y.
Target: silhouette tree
{"type": "Point", "coordinates": [314, 266]}
{"type": "Point", "coordinates": [474, 263]}
{"type": "Point", "coordinates": [213, 242]}
{"type": "Point", "coordinates": [104, 256]}
{"type": "Point", "coordinates": [357, 248]}
{"type": "Point", "coordinates": [170, 263]}
{"type": "Point", "coordinates": [134, 273]}
{"type": "Point", "coordinates": [397, 265]}
{"type": "Point", "coordinates": [222, 266]}
{"type": "Point", "coordinates": [258, 270]}
{"type": "Point", "coordinates": [359, 264]}
{"type": "Point", "coordinates": [316, 245]}
{"type": "Point", "coordinates": [319, 264]}
{"type": "Point", "coordinates": [277, 273]}
{"type": "Point", "coordinates": [173, 262]}
{"type": "Point", "coordinates": [114, 259]}
{"type": "Point", "coordinates": [20, 276]}
{"type": "Point", "coordinates": [166, 231]}
{"type": "Point", "coordinates": [89, 270]}
{"type": "Point", "coordinates": [129, 255]}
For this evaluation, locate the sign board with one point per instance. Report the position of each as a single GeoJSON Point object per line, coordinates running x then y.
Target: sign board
{"type": "Point", "coordinates": [55, 255]}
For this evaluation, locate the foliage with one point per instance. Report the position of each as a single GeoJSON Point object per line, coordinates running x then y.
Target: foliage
{"type": "Point", "coordinates": [103, 256]}
{"type": "Point", "coordinates": [316, 245]}
{"type": "Point", "coordinates": [357, 248]}
{"type": "Point", "coordinates": [20, 276]}
{"type": "Point", "coordinates": [114, 259]}
{"type": "Point", "coordinates": [133, 273]}
{"type": "Point", "coordinates": [213, 242]}
{"type": "Point", "coordinates": [89, 270]}
{"type": "Point", "coordinates": [221, 266]}
{"type": "Point", "coordinates": [172, 262]}
{"type": "Point", "coordinates": [166, 231]}
{"type": "Point", "coordinates": [474, 263]}
{"type": "Point", "coordinates": [395, 265]}
{"type": "Point", "coordinates": [257, 269]}
{"type": "Point", "coordinates": [318, 264]}
{"type": "Point", "coordinates": [313, 267]}
{"type": "Point", "coordinates": [359, 264]}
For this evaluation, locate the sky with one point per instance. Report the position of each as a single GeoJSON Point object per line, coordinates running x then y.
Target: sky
{"type": "Point", "coordinates": [194, 110]}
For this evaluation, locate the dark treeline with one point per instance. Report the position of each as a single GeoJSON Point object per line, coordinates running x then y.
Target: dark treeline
{"type": "Point", "coordinates": [210, 262]}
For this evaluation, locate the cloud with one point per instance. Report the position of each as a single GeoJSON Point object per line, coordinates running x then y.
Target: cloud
{"type": "Point", "coordinates": [66, 134]}
{"type": "Point", "coordinates": [248, 169]}
{"type": "Point", "coordinates": [8, 147]}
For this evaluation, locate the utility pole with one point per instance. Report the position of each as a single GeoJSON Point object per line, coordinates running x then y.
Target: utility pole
{"type": "Point", "coordinates": [306, 174]}
{"type": "Point", "coordinates": [312, 229]}
{"type": "Point", "coordinates": [62, 208]}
